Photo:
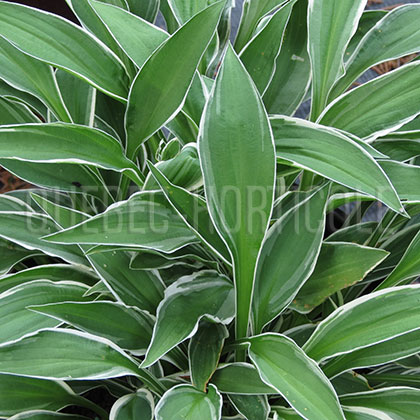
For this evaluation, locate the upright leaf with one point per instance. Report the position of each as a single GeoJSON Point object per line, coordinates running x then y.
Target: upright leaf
{"type": "Point", "coordinates": [280, 272]}
{"type": "Point", "coordinates": [203, 295]}
{"type": "Point", "coordinates": [365, 321]}
{"type": "Point", "coordinates": [327, 152]}
{"type": "Point", "coordinates": [183, 402]}
{"type": "Point", "coordinates": [31, 75]}
{"type": "Point", "coordinates": [394, 36]}
{"type": "Point", "coordinates": [259, 55]}
{"type": "Point", "coordinates": [253, 407]}
{"type": "Point", "coordinates": [184, 10]}
{"type": "Point", "coordinates": [331, 25]}
{"type": "Point", "coordinates": [284, 366]}
{"type": "Point", "coordinates": [237, 158]}
{"type": "Point", "coordinates": [147, 9]}
{"type": "Point", "coordinates": [168, 71]}
{"type": "Point", "coordinates": [13, 112]}
{"type": "Point", "coordinates": [136, 37]}
{"type": "Point", "coordinates": [291, 78]}
{"type": "Point", "coordinates": [60, 43]}
{"type": "Point", "coordinates": [379, 106]}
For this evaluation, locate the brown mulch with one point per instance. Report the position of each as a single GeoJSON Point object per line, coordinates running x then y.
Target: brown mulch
{"type": "Point", "coordinates": [393, 64]}
{"type": "Point", "coordinates": [8, 182]}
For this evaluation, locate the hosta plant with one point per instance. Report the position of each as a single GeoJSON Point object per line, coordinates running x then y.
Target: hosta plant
{"type": "Point", "coordinates": [194, 245]}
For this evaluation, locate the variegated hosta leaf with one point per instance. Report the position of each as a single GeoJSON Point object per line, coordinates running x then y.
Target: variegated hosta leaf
{"type": "Point", "coordinates": [206, 294]}
{"type": "Point", "coordinates": [138, 406]}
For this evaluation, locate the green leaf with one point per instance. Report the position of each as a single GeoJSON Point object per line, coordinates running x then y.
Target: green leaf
{"type": "Point", "coordinates": [331, 25]}
{"type": "Point", "coordinates": [379, 106]}
{"type": "Point", "coordinates": [138, 406]}
{"type": "Point", "coordinates": [280, 273]}
{"type": "Point", "coordinates": [205, 294]}
{"type": "Point", "coordinates": [79, 97]}
{"type": "Point", "coordinates": [10, 203]}
{"type": "Point", "coordinates": [336, 270]}
{"type": "Point", "coordinates": [399, 146]}
{"type": "Point", "coordinates": [394, 36]}
{"type": "Point", "coordinates": [154, 79]}
{"type": "Point", "coordinates": [285, 367]}
{"type": "Point", "coordinates": [60, 143]}
{"type": "Point", "coordinates": [260, 54]}
{"type": "Point", "coordinates": [13, 112]}
{"type": "Point", "coordinates": [239, 191]}
{"type": "Point", "coordinates": [184, 10]}
{"type": "Point", "coordinates": [46, 415]}
{"type": "Point", "coordinates": [136, 37]}
{"type": "Point", "coordinates": [146, 220]}
{"type": "Point", "coordinates": [21, 394]}
{"type": "Point", "coordinates": [327, 152]}
{"type": "Point", "coordinates": [404, 177]}
{"type": "Point", "coordinates": [65, 355]}
{"type": "Point", "coordinates": [253, 407]}
{"type": "Point", "coordinates": [251, 16]}
{"type": "Point", "coordinates": [128, 328]}
{"type": "Point", "coordinates": [359, 413]}
{"type": "Point", "coordinates": [12, 254]}
{"type": "Point", "coordinates": [18, 321]}
{"type": "Point", "coordinates": [204, 352]}
{"type": "Point", "coordinates": [408, 267]}
{"type": "Point", "coordinates": [183, 402]}
{"type": "Point", "coordinates": [240, 378]}
{"type": "Point", "coordinates": [53, 272]}
{"type": "Point", "coordinates": [291, 78]}
{"type": "Point", "coordinates": [30, 75]}
{"type": "Point", "coordinates": [397, 348]}
{"type": "Point", "coordinates": [365, 321]}
{"type": "Point", "coordinates": [193, 209]}
{"type": "Point", "coordinates": [26, 229]}
{"type": "Point", "coordinates": [60, 43]}
{"type": "Point", "coordinates": [147, 9]}
{"type": "Point", "coordinates": [396, 402]}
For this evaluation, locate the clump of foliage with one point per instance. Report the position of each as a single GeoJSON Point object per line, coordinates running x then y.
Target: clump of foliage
{"type": "Point", "coordinates": [176, 258]}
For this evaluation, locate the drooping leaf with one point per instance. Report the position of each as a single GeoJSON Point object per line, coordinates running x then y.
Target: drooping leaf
{"type": "Point", "coordinates": [60, 143]}
{"type": "Point", "coordinates": [280, 272]}
{"type": "Point", "coordinates": [21, 394]}
{"type": "Point", "coordinates": [395, 35]}
{"type": "Point", "coordinates": [193, 209]}
{"type": "Point", "coordinates": [46, 415]}
{"type": "Point", "coordinates": [65, 355]}
{"type": "Point", "coordinates": [331, 25]}
{"type": "Point", "coordinates": [205, 294]}
{"type": "Point", "coordinates": [397, 348]}
{"type": "Point", "coordinates": [53, 272]}
{"type": "Point", "coordinates": [365, 321]}
{"type": "Point", "coordinates": [379, 106]}
{"type": "Point", "coordinates": [183, 402]}
{"type": "Point", "coordinates": [11, 254]}
{"type": "Point", "coordinates": [399, 146]}
{"type": "Point", "coordinates": [63, 44]}
{"type": "Point", "coordinates": [136, 37]}
{"type": "Point", "coordinates": [127, 327]}
{"type": "Point", "coordinates": [407, 267]}
{"type": "Point", "coordinates": [404, 177]}
{"type": "Point", "coordinates": [291, 78]}
{"type": "Point", "coordinates": [241, 379]}
{"type": "Point", "coordinates": [336, 270]}
{"type": "Point", "coordinates": [146, 220]}
{"type": "Point", "coordinates": [154, 79]}
{"type": "Point", "coordinates": [259, 55]}
{"type": "Point", "coordinates": [235, 124]}
{"type": "Point", "coordinates": [253, 407]}
{"type": "Point", "coordinates": [18, 321]}
{"type": "Point", "coordinates": [396, 402]}
{"type": "Point", "coordinates": [284, 366]}
{"type": "Point", "coordinates": [138, 406]}
{"type": "Point", "coordinates": [26, 229]}
{"type": "Point", "coordinates": [204, 352]}
{"type": "Point", "coordinates": [13, 112]}
{"type": "Point", "coordinates": [30, 75]}
{"type": "Point", "coordinates": [327, 152]}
